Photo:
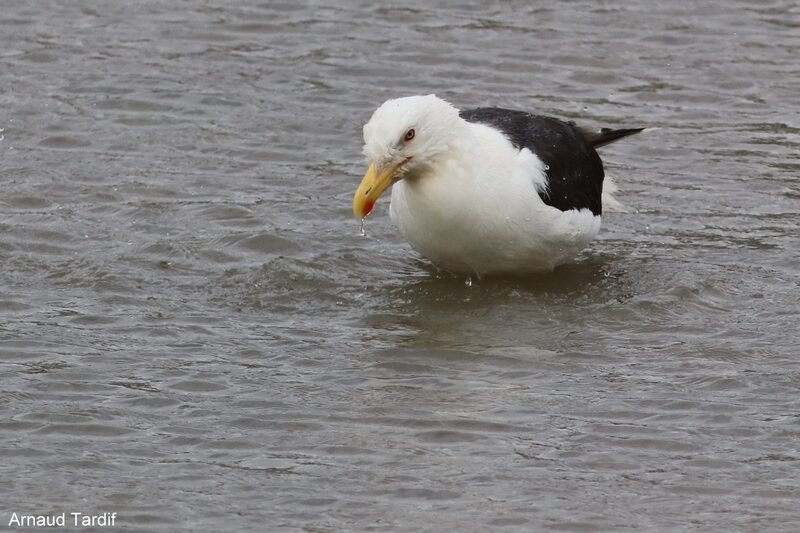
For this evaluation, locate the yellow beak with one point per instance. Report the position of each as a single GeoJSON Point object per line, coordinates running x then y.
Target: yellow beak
{"type": "Point", "coordinates": [373, 184]}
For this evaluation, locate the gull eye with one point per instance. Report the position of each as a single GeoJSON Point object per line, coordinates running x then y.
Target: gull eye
{"type": "Point", "coordinates": [409, 135]}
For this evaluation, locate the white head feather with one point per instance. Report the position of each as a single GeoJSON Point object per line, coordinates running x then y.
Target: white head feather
{"type": "Point", "coordinates": [435, 124]}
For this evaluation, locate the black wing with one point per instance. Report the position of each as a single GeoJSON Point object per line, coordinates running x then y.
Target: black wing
{"type": "Point", "coordinates": [574, 170]}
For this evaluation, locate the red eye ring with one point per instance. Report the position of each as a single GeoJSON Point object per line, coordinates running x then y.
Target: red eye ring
{"type": "Point", "coordinates": [409, 135]}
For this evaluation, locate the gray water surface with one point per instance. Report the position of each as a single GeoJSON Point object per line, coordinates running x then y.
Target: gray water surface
{"type": "Point", "coordinates": [194, 335]}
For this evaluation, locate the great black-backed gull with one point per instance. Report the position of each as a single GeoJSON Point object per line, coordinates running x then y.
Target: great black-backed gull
{"type": "Point", "coordinates": [488, 190]}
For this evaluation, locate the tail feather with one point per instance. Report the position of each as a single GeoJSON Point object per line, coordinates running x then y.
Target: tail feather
{"type": "Point", "coordinates": [607, 136]}
{"type": "Point", "coordinates": [610, 202]}
{"type": "Point", "coordinates": [602, 137]}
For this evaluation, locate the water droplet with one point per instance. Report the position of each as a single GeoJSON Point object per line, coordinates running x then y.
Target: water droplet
{"type": "Point", "coordinates": [586, 108]}
{"type": "Point", "coordinates": [361, 229]}
{"type": "Point", "coordinates": [468, 282]}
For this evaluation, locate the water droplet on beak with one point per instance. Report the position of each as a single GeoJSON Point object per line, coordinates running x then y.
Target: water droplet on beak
{"type": "Point", "coordinates": [361, 228]}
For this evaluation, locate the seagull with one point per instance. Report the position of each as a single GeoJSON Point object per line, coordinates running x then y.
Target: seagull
{"type": "Point", "coordinates": [486, 191]}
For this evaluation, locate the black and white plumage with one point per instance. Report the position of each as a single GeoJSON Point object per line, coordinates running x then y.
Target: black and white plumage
{"type": "Point", "coordinates": [488, 190]}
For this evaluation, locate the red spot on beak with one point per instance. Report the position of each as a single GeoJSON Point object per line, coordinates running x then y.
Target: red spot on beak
{"type": "Point", "coordinates": [368, 207]}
